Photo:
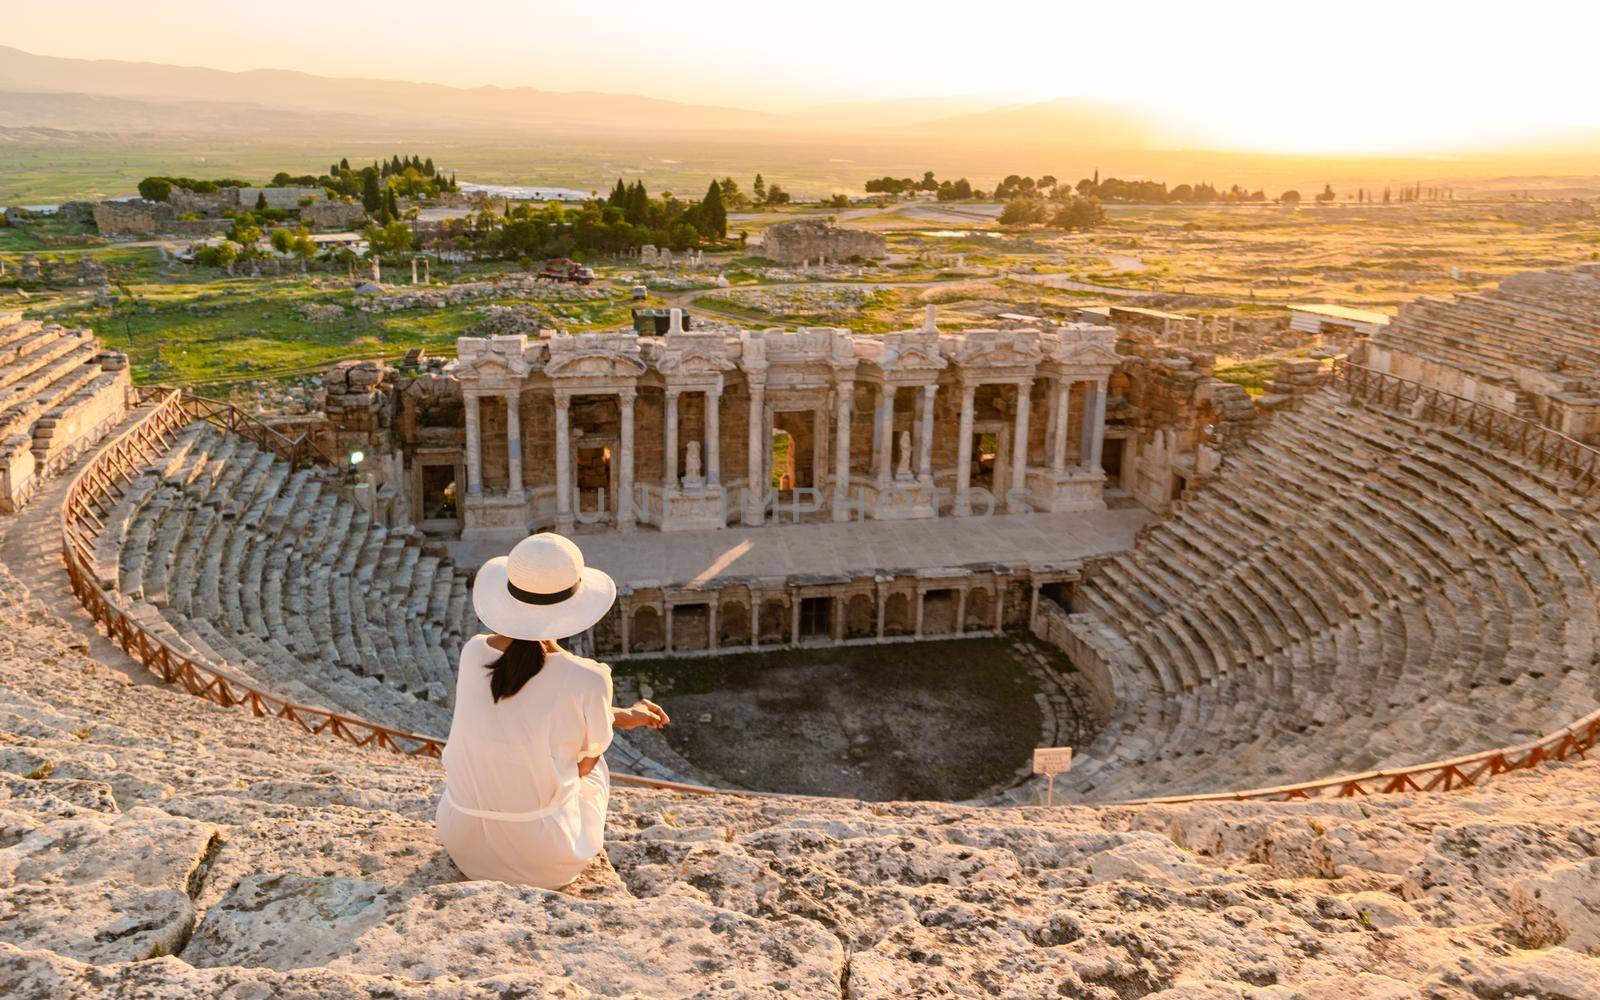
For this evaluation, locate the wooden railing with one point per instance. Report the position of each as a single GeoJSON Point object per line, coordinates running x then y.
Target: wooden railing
{"type": "Point", "coordinates": [297, 451]}
{"type": "Point", "coordinates": [1434, 776]}
{"type": "Point", "coordinates": [1549, 448]}
{"type": "Point", "coordinates": [97, 489]}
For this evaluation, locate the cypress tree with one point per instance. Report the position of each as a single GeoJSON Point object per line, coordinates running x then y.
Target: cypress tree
{"type": "Point", "coordinates": [391, 205]}
{"type": "Point", "coordinates": [371, 196]}
{"type": "Point", "coordinates": [713, 214]}
{"type": "Point", "coordinates": [344, 164]}
{"type": "Point", "coordinates": [759, 189]}
{"type": "Point", "coordinates": [427, 167]}
{"type": "Point", "coordinates": [619, 195]}
{"type": "Point", "coordinates": [638, 208]}
{"type": "Point", "coordinates": [261, 201]}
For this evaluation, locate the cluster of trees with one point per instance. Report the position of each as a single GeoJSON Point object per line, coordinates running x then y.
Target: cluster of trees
{"type": "Point", "coordinates": [1073, 214]}
{"type": "Point", "coordinates": [761, 194]}
{"type": "Point", "coordinates": [626, 219]}
{"type": "Point", "coordinates": [158, 188]}
{"type": "Point", "coordinates": [1203, 193]}
{"type": "Point", "coordinates": [958, 190]}
{"type": "Point", "coordinates": [379, 187]}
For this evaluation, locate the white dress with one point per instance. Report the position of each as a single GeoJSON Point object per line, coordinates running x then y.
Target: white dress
{"type": "Point", "coordinates": [514, 808]}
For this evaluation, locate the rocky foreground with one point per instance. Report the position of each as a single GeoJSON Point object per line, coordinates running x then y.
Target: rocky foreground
{"type": "Point", "coordinates": [153, 846]}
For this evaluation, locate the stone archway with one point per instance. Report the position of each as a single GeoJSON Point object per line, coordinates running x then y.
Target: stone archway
{"type": "Point", "coordinates": [648, 634]}
{"type": "Point", "coordinates": [861, 617]}
{"type": "Point", "coordinates": [608, 632]}
{"type": "Point", "coordinates": [774, 621]}
{"type": "Point", "coordinates": [980, 611]}
{"type": "Point", "coordinates": [733, 624]}
{"type": "Point", "coordinates": [898, 617]}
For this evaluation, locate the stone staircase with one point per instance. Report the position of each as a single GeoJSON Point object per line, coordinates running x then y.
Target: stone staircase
{"type": "Point", "coordinates": [1358, 591]}
{"type": "Point", "coordinates": [156, 845]}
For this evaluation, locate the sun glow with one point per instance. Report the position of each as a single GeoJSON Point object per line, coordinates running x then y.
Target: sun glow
{"type": "Point", "coordinates": [1362, 77]}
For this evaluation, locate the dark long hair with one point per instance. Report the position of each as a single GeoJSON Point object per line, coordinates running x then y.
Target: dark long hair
{"type": "Point", "coordinates": [518, 665]}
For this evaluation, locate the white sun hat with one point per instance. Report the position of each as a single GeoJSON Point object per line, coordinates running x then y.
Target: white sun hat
{"type": "Point", "coordinates": [542, 590]}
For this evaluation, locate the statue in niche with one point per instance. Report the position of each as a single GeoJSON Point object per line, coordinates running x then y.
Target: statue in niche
{"type": "Point", "coordinates": [903, 470]}
{"type": "Point", "coordinates": [691, 464]}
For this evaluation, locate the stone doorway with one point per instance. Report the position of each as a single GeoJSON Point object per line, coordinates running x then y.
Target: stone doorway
{"type": "Point", "coordinates": [816, 618]}
{"type": "Point", "coordinates": [593, 476]}
{"type": "Point", "coordinates": [939, 612]}
{"type": "Point", "coordinates": [691, 627]}
{"type": "Point", "coordinates": [439, 492]}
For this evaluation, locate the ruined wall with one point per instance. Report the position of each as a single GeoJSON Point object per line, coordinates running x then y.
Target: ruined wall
{"type": "Point", "coordinates": [147, 218]}
{"type": "Point", "coordinates": [1169, 399]}
{"type": "Point", "coordinates": [333, 215]}
{"type": "Point", "coordinates": [798, 242]}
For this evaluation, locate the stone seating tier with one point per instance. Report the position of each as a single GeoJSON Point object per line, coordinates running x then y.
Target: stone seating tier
{"type": "Point", "coordinates": [1543, 320]}
{"type": "Point", "coordinates": [158, 845]}
{"type": "Point", "coordinates": [275, 576]}
{"type": "Point", "coordinates": [1360, 588]}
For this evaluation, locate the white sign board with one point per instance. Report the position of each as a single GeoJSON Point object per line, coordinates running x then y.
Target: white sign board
{"type": "Point", "coordinates": [1052, 760]}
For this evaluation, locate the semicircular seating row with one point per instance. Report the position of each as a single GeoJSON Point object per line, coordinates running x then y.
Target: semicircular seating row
{"type": "Point", "coordinates": [236, 561]}
{"type": "Point", "coordinates": [1357, 590]}
{"type": "Point", "coordinates": [1534, 319]}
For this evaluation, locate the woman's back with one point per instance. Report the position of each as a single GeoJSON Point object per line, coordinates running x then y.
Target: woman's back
{"type": "Point", "coordinates": [516, 755]}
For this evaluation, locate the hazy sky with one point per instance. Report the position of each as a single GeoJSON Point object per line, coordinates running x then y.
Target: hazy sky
{"type": "Point", "coordinates": [1391, 76]}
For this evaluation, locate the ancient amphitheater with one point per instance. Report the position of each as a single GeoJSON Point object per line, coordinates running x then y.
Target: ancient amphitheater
{"type": "Point", "coordinates": [1343, 635]}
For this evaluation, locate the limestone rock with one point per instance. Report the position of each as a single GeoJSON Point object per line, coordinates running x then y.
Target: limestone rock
{"type": "Point", "coordinates": [103, 889]}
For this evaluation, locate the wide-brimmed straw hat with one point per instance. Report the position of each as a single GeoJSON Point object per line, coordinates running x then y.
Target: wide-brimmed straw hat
{"type": "Point", "coordinates": [542, 590]}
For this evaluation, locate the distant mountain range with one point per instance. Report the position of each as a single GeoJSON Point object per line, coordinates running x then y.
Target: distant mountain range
{"type": "Point", "coordinates": [46, 100]}
{"type": "Point", "coordinates": [46, 92]}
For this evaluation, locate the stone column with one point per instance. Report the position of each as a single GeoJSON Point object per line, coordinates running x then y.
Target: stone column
{"type": "Point", "coordinates": [1094, 424]}
{"type": "Point", "coordinates": [819, 450]}
{"type": "Point", "coordinates": [921, 595]}
{"type": "Point", "coordinates": [885, 435]}
{"type": "Point", "coordinates": [1058, 430]}
{"type": "Point", "coordinates": [564, 519]}
{"type": "Point", "coordinates": [999, 604]}
{"type": "Point", "coordinates": [712, 607]}
{"type": "Point", "coordinates": [669, 477]}
{"type": "Point", "coordinates": [626, 515]}
{"type": "Point", "coordinates": [844, 396]}
{"type": "Point", "coordinates": [961, 611]}
{"type": "Point", "coordinates": [714, 437]}
{"type": "Point", "coordinates": [794, 620]}
{"type": "Point", "coordinates": [514, 444]}
{"type": "Point", "coordinates": [1019, 441]}
{"type": "Point", "coordinates": [964, 453]}
{"type": "Point", "coordinates": [1099, 425]}
{"type": "Point", "coordinates": [666, 615]}
{"type": "Point", "coordinates": [474, 447]}
{"type": "Point", "coordinates": [755, 486]}
{"type": "Point", "coordinates": [925, 442]}
{"type": "Point", "coordinates": [883, 603]}
{"type": "Point", "coordinates": [625, 619]}
{"type": "Point", "coordinates": [755, 620]}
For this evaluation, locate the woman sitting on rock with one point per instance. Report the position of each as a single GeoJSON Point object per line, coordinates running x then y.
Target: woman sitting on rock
{"type": "Point", "coordinates": [526, 784]}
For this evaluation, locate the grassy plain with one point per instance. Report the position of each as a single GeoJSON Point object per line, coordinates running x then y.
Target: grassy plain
{"type": "Point", "coordinates": [1244, 262]}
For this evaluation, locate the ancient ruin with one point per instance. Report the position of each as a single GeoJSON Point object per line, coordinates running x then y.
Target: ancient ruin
{"type": "Point", "coordinates": [812, 241]}
{"type": "Point", "coordinates": [1343, 634]}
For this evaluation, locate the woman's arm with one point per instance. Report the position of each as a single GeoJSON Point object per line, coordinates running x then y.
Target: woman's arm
{"type": "Point", "coordinates": [644, 713]}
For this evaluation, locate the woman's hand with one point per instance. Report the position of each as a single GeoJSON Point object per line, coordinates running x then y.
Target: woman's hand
{"type": "Point", "coordinates": [644, 714]}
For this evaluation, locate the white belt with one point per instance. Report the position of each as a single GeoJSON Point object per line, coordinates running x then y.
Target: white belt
{"type": "Point", "coordinates": [560, 802]}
